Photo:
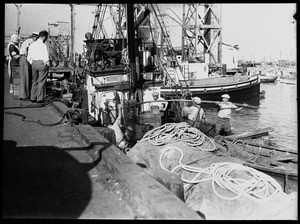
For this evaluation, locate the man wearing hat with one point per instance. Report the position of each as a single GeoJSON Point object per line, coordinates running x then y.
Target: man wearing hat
{"type": "Point", "coordinates": [225, 109]}
{"type": "Point", "coordinates": [25, 67]}
{"type": "Point", "coordinates": [193, 111]}
{"type": "Point", "coordinates": [38, 57]}
{"type": "Point", "coordinates": [162, 105]}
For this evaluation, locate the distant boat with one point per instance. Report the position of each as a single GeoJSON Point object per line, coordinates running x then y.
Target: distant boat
{"type": "Point", "coordinates": [289, 81]}
{"type": "Point", "coordinates": [267, 75]}
{"type": "Point", "coordinates": [287, 77]}
{"type": "Point", "coordinates": [267, 79]}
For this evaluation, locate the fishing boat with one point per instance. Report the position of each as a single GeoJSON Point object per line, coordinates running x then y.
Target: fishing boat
{"type": "Point", "coordinates": [240, 87]}
{"type": "Point", "coordinates": [130, 69]}
{"type": "Point", "coordinates": [122, 73]}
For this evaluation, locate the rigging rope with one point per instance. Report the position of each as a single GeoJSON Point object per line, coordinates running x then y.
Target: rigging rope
{"type": "Point", "coordinates": [165, 34]}
{"type": "Point", "coordinates": [161, 64]}
{"type": "Point", "coordinates": [259, 188]}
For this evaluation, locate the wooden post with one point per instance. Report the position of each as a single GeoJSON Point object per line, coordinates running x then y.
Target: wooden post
{"type": "Point", "coordinates": [130, 46]}
{"type": "Point", "coordinates": [72, 35]}
{"type": "Point", "coordinates": [220, 38]}
{"type": "Point", "coordinates": [286, 177]}
{"type": "Point", "coordinates": [170, 180]}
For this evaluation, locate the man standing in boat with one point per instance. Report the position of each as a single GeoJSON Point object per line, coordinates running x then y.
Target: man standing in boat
{"type": "Point", "coordinates": [225, 109]}
{"type": "Point", "coordinates": [193, 111]}
{"type": "Point", "coordinates": [162, 105]}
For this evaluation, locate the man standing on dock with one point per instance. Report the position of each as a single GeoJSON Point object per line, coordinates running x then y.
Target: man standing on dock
{"type": "Point", "coordinates": [38, 57]}
{"type": "Point", "coordinates": [25, 68]}
{"type": "Point", "coordinates": [225, 109]}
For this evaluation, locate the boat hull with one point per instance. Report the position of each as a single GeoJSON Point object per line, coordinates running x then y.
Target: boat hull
{"type": "Point", "coordinates": [243, 92]}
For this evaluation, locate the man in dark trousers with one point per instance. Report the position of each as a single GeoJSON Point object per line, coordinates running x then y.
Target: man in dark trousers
{"type": "Point", "coordinates": [225, 109]}
{"type": "Point", "coordinates": [25, 67]}
{"type": "Point", "coordinates": [38, 57]}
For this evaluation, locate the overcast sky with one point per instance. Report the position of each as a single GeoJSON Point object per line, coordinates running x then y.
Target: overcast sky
{"type": "Point", "coordinates": [260, 30]}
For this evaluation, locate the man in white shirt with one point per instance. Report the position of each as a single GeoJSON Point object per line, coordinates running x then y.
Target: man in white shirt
{"type": "Point", "coordinates": [225, 109]}
{"type": "Point", "coordinates": [25, 67]}
{"type": "Point", "coordinates": [38, 57]}
{"type": "Point", "coordinates": [193, 111]}
{"type": "Point", "coordinates": [162, 105]}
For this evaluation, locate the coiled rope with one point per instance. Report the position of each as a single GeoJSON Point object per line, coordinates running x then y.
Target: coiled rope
{"type": "Point", "coordinates": [259, 188]}
{"type": "Point", "coordinates": [174, 132]}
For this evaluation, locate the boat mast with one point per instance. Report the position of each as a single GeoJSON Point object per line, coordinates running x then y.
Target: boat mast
{"type": "Point", "coordinates": [203, 21]}
{"type": "Point", "coordinates": [72, 35]}
{"type": "Point", "coordinates": [131, 45]}
{"type": "Point", "coordinates": [183, 55]}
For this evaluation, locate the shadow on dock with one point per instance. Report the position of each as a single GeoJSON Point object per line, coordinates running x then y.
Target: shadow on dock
{"type": "Point", "coordinates": [43, 182]}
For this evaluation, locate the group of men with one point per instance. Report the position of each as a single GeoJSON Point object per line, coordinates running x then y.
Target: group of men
{"type": "Point", "coordinates": [193, 113]}
{"type": "Point", "coordinates": [32, 62]}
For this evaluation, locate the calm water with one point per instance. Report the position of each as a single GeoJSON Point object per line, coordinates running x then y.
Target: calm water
{"type": "Point", "coordinates": [278, 110]}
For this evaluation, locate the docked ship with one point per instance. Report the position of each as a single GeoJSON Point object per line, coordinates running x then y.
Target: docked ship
{"type": "Point", "coordinates": [140, 59]}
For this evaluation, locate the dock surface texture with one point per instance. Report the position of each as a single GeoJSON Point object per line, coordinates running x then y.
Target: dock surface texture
{"type": "Point", "coordinates": [65, 171]}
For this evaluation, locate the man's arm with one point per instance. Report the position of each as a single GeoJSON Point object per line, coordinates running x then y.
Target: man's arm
{"type": "Point", "coordinates": [12, 52]}
{"type": "Point", "coordinates": [165, 105]}
{"type": "Point", "coordinates": [238, 109]}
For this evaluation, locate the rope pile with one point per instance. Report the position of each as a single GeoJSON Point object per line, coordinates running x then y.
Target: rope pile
{"type": "Point", "coordinates": [260, 187]}
{"type": "Point", "coordinates": [174, 132]}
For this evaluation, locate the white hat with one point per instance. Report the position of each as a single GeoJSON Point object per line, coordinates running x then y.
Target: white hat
{"type": "Point", "coordinates": [35, 34]}
{"type": "Point", "coordinates": [225, 96]}
{"type": "Point", "coordinates": [155, 93]}
{"type": "Point", "coordinates": [197, 100]}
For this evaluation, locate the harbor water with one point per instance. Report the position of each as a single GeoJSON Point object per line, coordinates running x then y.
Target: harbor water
{"type": "Point", "coordinates": [277, 110]}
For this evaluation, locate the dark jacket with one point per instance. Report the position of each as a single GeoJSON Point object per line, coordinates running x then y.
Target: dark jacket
{"type": "Point", "coordinates": [14, 61]}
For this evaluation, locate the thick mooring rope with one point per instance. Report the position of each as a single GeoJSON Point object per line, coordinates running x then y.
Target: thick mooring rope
{"type": "Point", "coordinates": [259, 188]}
{"type": "Point", "coordinates": [174, 132]}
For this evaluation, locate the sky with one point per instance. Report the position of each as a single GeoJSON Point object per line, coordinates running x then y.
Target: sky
{"type": "Point", "coordinates": [262, 31]}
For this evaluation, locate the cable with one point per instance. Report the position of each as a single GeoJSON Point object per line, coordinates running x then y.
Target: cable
{"type": "Point", "coordinates": [38, 121]}
{"type": "Point", "coordinates": [259, 188]}
{"type": "Point", "coordinates": [47, 102]}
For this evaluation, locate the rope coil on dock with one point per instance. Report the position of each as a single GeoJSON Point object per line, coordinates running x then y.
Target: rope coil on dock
{"type": "Point", "coordinates": [174, 132]}
{"type": "Point", "coordinates": [259, 188]}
